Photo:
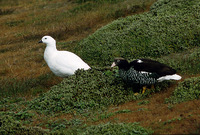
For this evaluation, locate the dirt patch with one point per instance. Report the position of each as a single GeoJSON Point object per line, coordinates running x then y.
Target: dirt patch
{"type": "Point", "coordinates": [183, 118]}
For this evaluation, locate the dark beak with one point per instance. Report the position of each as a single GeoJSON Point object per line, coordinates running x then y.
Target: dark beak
{"type": "Point", "coordinates": [40, 41]}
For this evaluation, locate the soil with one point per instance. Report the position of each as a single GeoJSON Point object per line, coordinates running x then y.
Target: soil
{"type": "Point", "coordinates": [162, 118]}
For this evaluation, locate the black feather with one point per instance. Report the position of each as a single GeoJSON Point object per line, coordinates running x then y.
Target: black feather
{"type": "Point", "coordinates": [152, 66]}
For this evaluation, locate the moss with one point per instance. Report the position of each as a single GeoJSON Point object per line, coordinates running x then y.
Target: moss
{"type": "Point", "coordinates": [187, 90]}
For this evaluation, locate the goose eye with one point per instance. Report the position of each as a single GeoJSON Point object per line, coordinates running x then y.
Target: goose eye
{"type": "Point", "coordinates": [45, 38]}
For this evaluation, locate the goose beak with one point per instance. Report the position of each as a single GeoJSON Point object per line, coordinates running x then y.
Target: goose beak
{"type": "Point", "coordinates": [113, 65]}
{"type": "Point", "coordinates": [40, 41]}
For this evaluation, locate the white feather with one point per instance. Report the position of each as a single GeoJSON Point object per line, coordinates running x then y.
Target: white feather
{"type": "Point", "coordinates": [139, 61]}
{"type": "Point", "coordinates": [169, 77]}
{"type": "Point", "coordinates": [144, 72]}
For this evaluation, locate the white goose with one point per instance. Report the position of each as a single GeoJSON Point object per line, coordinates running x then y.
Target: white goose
{"type": "Point", "coordinates": [61, 63]}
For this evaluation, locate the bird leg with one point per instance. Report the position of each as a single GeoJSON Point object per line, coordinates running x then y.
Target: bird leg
{"type": "Point", "coordinates": [144, 89]}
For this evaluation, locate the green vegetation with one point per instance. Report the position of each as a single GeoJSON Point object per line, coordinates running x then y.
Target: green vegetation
{"type": "Point", "coordinates": [117, 129]}
{"type": "Point", "coordinates": [12, 127]}
{"type": "Point", "coordinates": [170, 26]}
{"type": "Point", "coordinates": [187, 90]}
{"type": "Point", "coordinates": [76, 95]}
{"type": "Point", "coordinates": [186, 62]}
{"type": "Point", "coordinates": [108, 115]}
{"type": "Point", "coordinates": [84, 91]}
{"type": "Point", "coordinates": [172, 120]}
{"type": "Point", "coordinates": [108, 128]}
{"type": "Point", "coordinates": [144, 102]}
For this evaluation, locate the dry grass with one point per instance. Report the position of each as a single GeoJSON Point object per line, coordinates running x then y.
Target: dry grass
{"type": "Point", "coordinates": [21, 30]}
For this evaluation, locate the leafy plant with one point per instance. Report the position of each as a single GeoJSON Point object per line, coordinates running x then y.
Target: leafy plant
{"type": "Point", "coordinates": [117, 129]}
{"type": "Point", "coordinates": [144, 102]}
{"type": "Point", "coordinates": [186, 62]}
{"type": "Point", "coordinates": [23, 115]}
{"type": "Point", "coordinates": [9, 126]}
{"type": "Point", "coordinates": [187, 90]}
{"type": "Point", "coordinates": [110, 128]}
{"type": "Point", "coordinates": [172, 120]}
{"type": "Point", "coordinates": [84, 91]}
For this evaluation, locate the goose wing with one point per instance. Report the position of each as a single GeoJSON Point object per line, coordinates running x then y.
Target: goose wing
{"type": "Point", "coordinates": [148, 65]}
{"type": "Point", "coordinates": [69, 60]}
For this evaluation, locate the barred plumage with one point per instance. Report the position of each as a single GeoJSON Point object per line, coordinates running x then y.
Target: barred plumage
{"type": "Point", "coordinates": [144, 71]}
{"type": "Point", "coordinates": [133, 76]}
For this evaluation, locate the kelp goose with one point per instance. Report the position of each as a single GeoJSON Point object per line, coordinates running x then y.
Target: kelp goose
{"type": "Point", "coordinates": [61, 63]}
{"type": "Point", "coordinates": [144, 71]}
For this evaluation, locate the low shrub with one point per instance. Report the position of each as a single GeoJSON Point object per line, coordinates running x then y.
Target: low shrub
{"type": "Point", "coordinates": [111, 129]}
{"type": "Point", "coordinates": [9, 126]}
{"type": "Point", "coordinates": [117, 129]}
{"type": "Point", "coordinates": [186, 62]}
{"type": "Point", "coordinates": [187, 90]}
{"type": "Point", "coordinates": [170, 26]}
{"type": "Point", "coordinates": [84, 91]}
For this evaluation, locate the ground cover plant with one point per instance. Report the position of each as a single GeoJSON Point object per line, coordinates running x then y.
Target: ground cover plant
{"type": "Point", "coordinates": [116, 129]}
{"type": "Point", "coordinates": [170, 26]}
{"type": "Point", "coordinates": [86, 90]}
{"type": "Point", "coordinates": [97, 101]}
{"type": "Point", "coordinates": [186, 90]}
{"type": "Point", "coordinates": [11, 126]}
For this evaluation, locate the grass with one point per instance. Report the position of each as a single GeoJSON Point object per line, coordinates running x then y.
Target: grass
{"type": "Point", "coordinates": [35, 86]}
{"type": "Point", "coordinates": [97, 101]}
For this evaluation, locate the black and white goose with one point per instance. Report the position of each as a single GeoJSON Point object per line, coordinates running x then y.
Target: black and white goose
{"type": "Point", "coordinates": [144, 71]}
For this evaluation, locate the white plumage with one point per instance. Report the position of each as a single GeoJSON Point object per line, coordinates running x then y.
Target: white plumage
{"type": "Point", "coordinates": [61, 63]}
{"type": "Point", "coordinates": [169, 77]}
